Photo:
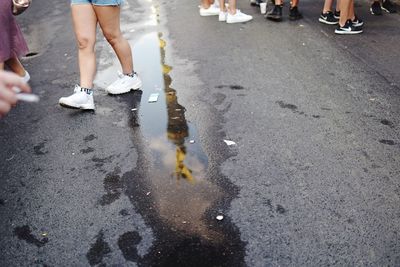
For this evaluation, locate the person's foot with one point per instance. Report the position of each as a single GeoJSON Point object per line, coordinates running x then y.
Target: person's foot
{"type": "Point", "coordinates": [275, 14]}
{"type": "Point", "coordinates": [124, 84]}
{"type": "Point", "coordinates": [328, 18]}
{"type": "Point", "coordinates": [294, 13]}
{"type": "Point", "coordinates": [211, 11]}
{"type": "Point", "coordinates": [336, 14]}
{"type": "Point", "coordinates": [81, 98]}
{"type": "Point", "coordinates": [348, 28]}
{"type": "Point", "coordinates": [222, 16]}
{"type": "Point", "coordinates": [216, 4]}
{"type": "Point", "coordinates": [388, 6]}
{"type": "Point", "coordinates": [255, 2]}
{"type": "Point", "coordinates": [238, 17]}
{"type": "Point", "coordinates": [376, 8]}
{"type": "Point", "coordinates": [357, 22]}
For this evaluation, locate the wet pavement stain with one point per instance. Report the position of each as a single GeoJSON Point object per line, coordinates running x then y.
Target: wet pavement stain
{"type": "Point", "coordinates": [2, 202]}
{"type": "Point", "coordinates": [124, 213]}
{"type": "Point", "coordinates": [101, 161]}
{"type": "Point", "coordinates": [171, 186]}
{"type": "Point", "coordinates": [387, 142]}
{"type": "Point", "coordinates": [280, 209]}
{"type": "Point", "coordinates": [112, 186]}
{"type": "Point", "coordinates": [89, 138]}
{"type": "Point", "coordinates": [25, 233]}
{"type": "Point", "coordinates": [87, 150]}
{"type": "Point", "coordinates": [38, 149]}
{"type": "Point", "coordinates": [296, 110]}
{"type": "Point", "coordinates": [387, 123]}
{"type": "Point", "coordinates": [232, 87]}
{"type": "Point", "coordinates": [98, 250]}
{"type": "Point", "coordinates": [127, 243]}
{"type": "Point", "coordinates": [286, 105]}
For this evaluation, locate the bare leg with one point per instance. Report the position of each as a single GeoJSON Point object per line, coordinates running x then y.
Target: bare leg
{"type": "Point", "coordinates": [338, 5]}
{"type": "Point", "coordinates": [278, 2]}
{"type": "Point", "coordinates": [294, 3]}
{"type": "Point", "coordinates": [1, 65]}
{"type": "Point", "coordinates": [206, 3]}
{"type": "Point", "coordinates": [109, 20]}
{"type": "Point", "coordinates": [327, 6]}
{"type": "Point", "coordinates": [352, 15]}
{"type": "Point", "coordinates": [85, 22]}
{"type": "Point", "coordinates": [232, 7]}
{"type": "Point", "coordinates": [15, 65]}
{"type": "Point", "coordinates": [345, 8]}
{"type": "Point", "coordinates": [222, 5]}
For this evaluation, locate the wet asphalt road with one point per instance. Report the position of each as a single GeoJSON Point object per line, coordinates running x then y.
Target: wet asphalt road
{"type": "Point", "coordinates": [313, 180]}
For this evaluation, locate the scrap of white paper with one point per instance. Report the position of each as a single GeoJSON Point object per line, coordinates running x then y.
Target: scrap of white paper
{"type": "Point", "coordinates": [229, 142]}
{"type": "Point", "coordinates": [153, 98]}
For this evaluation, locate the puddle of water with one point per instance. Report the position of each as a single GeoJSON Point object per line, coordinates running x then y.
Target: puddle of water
{"type": "Point", "coordinates": [171, 188]}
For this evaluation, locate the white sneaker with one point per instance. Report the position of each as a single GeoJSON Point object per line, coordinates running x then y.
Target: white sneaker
{"type": "Point", "coordinates": [26, 77]}
{"type": "Point", "coordinates": [238, 17]}
{"type": "Point", "coordinates": [124, 84]}
{"type": "Point", "coordinates": [211, 11]}
{"type": "Point", "coordinates": [222, 16]}
{"type": "Point", "coordinates": [79, 99]}
{"type": "Point", "coordinates": [216, 4]}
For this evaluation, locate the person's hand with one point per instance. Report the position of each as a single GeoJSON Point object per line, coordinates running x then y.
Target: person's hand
{"type": "Point", "coordinates": [8, 81]}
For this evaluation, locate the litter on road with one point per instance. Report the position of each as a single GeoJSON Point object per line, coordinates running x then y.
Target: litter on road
{"type": "Point", "coordinates": [229, 142]}
{"type": "Point", "coordinates": [153, 98]}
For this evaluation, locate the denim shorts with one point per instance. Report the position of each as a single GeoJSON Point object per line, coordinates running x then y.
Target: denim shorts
{"type": "Point", "coordinates": [98, 2]}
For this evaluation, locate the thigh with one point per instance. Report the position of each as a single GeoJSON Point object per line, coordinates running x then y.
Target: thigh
{"type": "Point", "coordinates": [84, 20]}
{"type": "Point", "coordinates": [109, 18]}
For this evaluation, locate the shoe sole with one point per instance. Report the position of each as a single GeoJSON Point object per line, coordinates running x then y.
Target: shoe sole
{"type": "Point", "coordinates": [208, 15]}
{"type": "Point", "coordinates": [347, 33]}
{"type": "Point", "coordinates": [274, 19]}
{"type": "Point", "coordinates": [83, 107]}
{"type": "Point", "coordinates": [231, 22]}
{"type": "Point", "coordinates": [327, 22]}
{"type": "Point", "coordinates": [125, 92]}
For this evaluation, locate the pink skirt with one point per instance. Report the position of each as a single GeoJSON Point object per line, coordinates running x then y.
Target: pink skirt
{"type": "Point", "coordinates": [12, 42]}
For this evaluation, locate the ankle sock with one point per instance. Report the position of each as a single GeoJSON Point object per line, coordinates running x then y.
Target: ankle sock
{"type": "Point", "coordinates": [87, 90]}
{"type": "Point", "coordinates": [131, 74]}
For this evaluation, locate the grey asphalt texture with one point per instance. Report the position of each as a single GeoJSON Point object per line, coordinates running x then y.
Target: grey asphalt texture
{"type": "Point", "coordinates": [313, 180]}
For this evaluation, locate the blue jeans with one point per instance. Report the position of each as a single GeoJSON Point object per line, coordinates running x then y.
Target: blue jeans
{"type": "Point", "coordinates": [98, 2]}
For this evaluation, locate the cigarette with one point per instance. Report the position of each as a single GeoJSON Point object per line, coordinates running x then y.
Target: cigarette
{"type": "Point", "coordinates": [28, 97]}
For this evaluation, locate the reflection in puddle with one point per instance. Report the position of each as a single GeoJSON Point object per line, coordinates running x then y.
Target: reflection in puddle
{"type": "Point", "coordinates": [170, 186]}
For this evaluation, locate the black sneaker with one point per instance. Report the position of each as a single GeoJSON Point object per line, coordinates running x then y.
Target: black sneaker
{"type": "Point", "coordinates": [328, 18]}
{"type": "Point", "coordinates": [376, 8]}
{"type": "Point", "coordinates": [294, 13]}
{"type": "Point", "coordinates": [389, 7]}
{"type": "Point", "coordinates": [336, 14]}
{"type": "Point", "coordinates": [357, 22]}
{"type": "Point", "coordinates": [255, 2]}
{"type": "Point", "coordinates": [275, 14]}
{"type": "Point", "coordinates": [348, 28]}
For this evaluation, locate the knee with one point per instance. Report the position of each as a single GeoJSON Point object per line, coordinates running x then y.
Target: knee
{"type": "Point", "coordinates": [113, 37]}
{"type": "Point", "coordinates": [85, 42]}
